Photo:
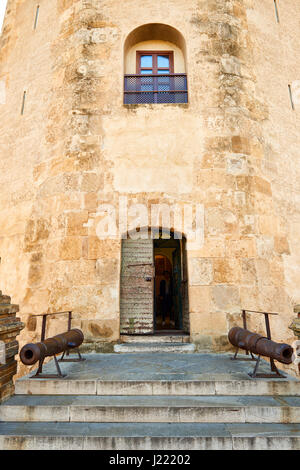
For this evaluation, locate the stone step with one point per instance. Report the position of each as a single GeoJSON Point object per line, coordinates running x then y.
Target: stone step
{"type": "Point", "coordinates": [5, 299]}
{"type": "Point", "coordinates": [156, 374]}
{"type": "Point", "coordinates": [152, 409]}
{"type": "Point", "coordinates": [155, 347]}
{"type": "Point", "coordinates": [149, 436]}
{"type": "Point", "coordinates": [159, 387]}
{"type": "Point", "coordinates": [157, 338]}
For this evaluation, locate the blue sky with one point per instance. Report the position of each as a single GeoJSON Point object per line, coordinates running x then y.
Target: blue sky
{"type": "Point", "coordinates": [2, 11]}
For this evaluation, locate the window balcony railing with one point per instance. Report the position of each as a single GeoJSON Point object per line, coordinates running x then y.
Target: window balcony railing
{"type": "Point", "coordinates": [168, 88]}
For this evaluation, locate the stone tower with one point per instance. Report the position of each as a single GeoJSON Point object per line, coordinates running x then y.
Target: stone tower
{"type": "Point", "coordinates": [70, 142]}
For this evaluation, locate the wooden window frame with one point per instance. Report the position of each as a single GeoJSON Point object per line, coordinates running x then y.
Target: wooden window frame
{"type": "Point", "coordinates": [154, 67]}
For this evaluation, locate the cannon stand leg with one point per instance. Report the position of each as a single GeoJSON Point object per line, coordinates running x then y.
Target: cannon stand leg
{"type": "Point", "coordinates": [40, 375]}
{"type": "Point", "coordinates": [67, 352]}
{"type": "Point", "coordinates": [276, 374]}
{"type": "Point", "coordinates": [244, 358]}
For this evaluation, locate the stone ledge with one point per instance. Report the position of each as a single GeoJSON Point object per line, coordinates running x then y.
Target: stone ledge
{"type": "Point", "coordinates": [18, 325]}
{"type": "Point", "coordinates": [8, 308]}
{"type": "Point", "coordinates": [10, 327]}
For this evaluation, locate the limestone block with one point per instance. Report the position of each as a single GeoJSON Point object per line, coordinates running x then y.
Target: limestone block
{"type": "Point", "coordinates": [108, 301]}
{"type": "Point", "coordinates": [265, 247]}
{"type": "Point", "coordinates": [201, 271]}
{"type": "Point", "coordinates": [102, 35]}
{"type": "Point", "coordinates": [36, 230]}
{"type": "Point", "coordinates": [218, 144]}
{"type": "Point", "coordinates": [274, 299]}
{"type": "Point", "coordinates": [36, 300]}
{"type": "Point", "coordinates": [268, 225]}
{"type": "Point", "coordinates": [240, 145]}
{"type": "Point", "coordinates": [226, 298]}
{"type": "Point", "coordinates": [277, 272]}
{"type": "Point", "coordinates": [231, 65]}
{"type": "Point", "coordinates": [107, 270]}
{"type": "Point", "coordinates": [59, 184]}
{"type": "Point", "coordinates": [263, 272]}
{"type": "Point", "coordinates": [202, 342]}
{"type": "Point", "coordinates": [220, 221]}
{"type": "Point", "coordinates": [281, 245]}
{"type": "Point", "coordinates": [90, 201]}
{"type": "Point", "coordinates": [250, 298]}
{"type": "Point", "coordinates": [61, 165]}
{"type": "Point", "coordinates": [68, 273]}
{"type": "Point", "coordinates": [36, 273]}
{"type": "Point", "coordinates": [70, 248]}
{"type": "Point", "coordinates": [240, 198]}
{"type": "Point", "coordinates": [83, 300]}
{"type": "Point", "coordinates": [261, 185]}
{"type": "Point", "coordinates": [226, 270]}
{"type": "Point", "coordinates": [100, 330]}
{"type": "Point", "coordinates": [208, 323]}
{"type": "Point", "coordinates": [212, 248]}
{"type": "Point", "coordinates": [236, 165]}
{"type": "Point", "coordinates": [244, 248]}
{"type": "Point", "coordinates": [102, 248]}
{"type": "Point", "coordinates": [91, 182]}
{"type": "Point", "coordinates": [248, 225]}
{"type": "Point", "coordinates": [199, 299]}
{"type": "Point", "coordinates": [213, 160]}
{"type": "Point", "coordinates": [75, 222]}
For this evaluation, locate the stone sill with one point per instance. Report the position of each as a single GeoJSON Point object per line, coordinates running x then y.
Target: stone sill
{"type": "Point", "coordinates": [156, 105]}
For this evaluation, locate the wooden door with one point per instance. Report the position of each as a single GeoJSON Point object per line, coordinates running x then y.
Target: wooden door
{"type": "Point", "coordinates": [137, 287]}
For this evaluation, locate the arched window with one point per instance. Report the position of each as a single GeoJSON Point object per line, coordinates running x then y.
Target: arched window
{"type": "Point", "coordinates": [155, 66]}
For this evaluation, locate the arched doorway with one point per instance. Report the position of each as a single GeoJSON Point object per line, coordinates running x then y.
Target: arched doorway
{"type": "Point", "coordinates": [153, 287]}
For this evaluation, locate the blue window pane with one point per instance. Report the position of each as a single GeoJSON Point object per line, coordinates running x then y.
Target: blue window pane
{"type": "Point", "coordinates": [146, 72]}
{"type": "Point", "coordinates": [163, 72]}
{"type": "Point", "coordinates": [146, 61]}
{"type": "Point", "coordinates": [163, 61]}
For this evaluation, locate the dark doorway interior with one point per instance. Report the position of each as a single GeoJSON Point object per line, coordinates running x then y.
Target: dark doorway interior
{"type": "Point", "coordinates": [168, 288]}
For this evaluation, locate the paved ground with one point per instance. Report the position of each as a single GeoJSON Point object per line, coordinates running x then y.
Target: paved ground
{"type": "Point", "coordinates": [158, 366]}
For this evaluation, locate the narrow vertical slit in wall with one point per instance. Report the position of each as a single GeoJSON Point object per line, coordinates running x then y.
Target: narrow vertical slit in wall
{"type": "Point", "coordinates": [36, 16]}
{"type": "Point", "coordinates": [23, 103]}
{"type": "Point", "coordinates": [276, 11]}
{"type": "Point", "coordinates": [291, 97]}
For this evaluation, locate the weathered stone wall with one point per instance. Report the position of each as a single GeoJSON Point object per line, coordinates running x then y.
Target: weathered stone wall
{"type": "Point", "coordinates": [233, 148]}
{"type": "Point", "coordinates": [10, 327]}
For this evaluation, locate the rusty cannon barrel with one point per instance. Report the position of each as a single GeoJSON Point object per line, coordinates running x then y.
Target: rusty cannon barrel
{"type": "Point", "coordinates": [33, 352]}
{"type": "Point", "coordinates": [257, 344]}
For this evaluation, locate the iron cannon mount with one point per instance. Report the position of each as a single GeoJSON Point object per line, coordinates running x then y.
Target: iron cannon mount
{"type": "Point", "coordinates": [62, 343]}
{"type": "Point", "coordinates": [254, 343]}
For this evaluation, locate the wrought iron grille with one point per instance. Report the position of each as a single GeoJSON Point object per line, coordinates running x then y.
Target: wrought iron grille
{"type": "Point", "coordinates": [168, 88]}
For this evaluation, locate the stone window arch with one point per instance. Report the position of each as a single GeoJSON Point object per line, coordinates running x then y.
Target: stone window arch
{"type": "Point", "coordinates": [155, 65]}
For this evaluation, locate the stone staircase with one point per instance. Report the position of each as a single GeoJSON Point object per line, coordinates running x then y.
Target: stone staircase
{"type": "Point", "coordinates": [10, 327]}
{"type": "Point", "coordinates": [157, 402]}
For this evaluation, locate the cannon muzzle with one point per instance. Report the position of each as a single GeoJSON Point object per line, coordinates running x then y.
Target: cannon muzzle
{"type": "Point", "coordinates": [257, 344]}
{"type": "Point", "coordinates": [33, 352]}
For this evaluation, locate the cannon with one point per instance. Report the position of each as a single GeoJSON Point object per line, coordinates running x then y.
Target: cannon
{"type": "Point", "coordinates": [242, 338]}
{"type": "Point", "coordinates": [62, 343]}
